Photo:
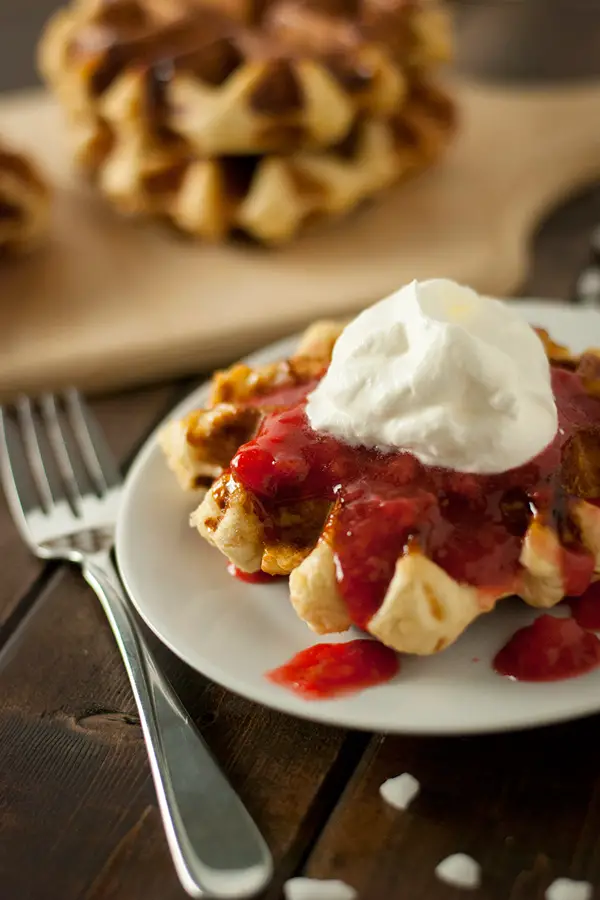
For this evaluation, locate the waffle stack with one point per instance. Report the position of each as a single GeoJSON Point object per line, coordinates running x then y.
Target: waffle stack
{"type": "Point", "coordinates": [251, 116]}
{"type": "Point", "coordinates": [24, 202]}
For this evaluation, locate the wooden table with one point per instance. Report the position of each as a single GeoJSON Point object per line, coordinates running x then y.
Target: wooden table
{"type": "Point", "coordinates": [78, 815]}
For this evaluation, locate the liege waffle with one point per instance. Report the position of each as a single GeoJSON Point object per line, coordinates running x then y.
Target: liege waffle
{"type": "Point", "coordinates": [199, 447]}
{"type": "Point", "coordinates": [424, 609]}
{"type": "Point", "coordinates": [236, 77]}
{"type": "Point", "coordinates": [233, 118]}
{"type": "Point", "coordinates": [24, 202]}
{"type": "Point", "coordinates": [268, 198]}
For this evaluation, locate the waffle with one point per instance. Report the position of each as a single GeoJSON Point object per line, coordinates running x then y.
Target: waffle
{"type": "Point", "coordinates": [236, 77]}
{"type": "Point", "coordinates": [270, 199]}
{"type": "Point", "coordinates": [24, 202]}
{"type": "Point", "coordinates": [248, 120]}
{"type": "Point", "coordinates": [267, 198]}
{"type": "Point", "coordinates": [199, 447]}
{"type": "Point", "coordinates": [424, 608]}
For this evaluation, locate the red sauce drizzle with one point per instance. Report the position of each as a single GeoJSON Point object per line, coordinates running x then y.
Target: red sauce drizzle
{"type": "Point", "coordinates": [549, 649]}
{"type": "Point", "coordinates": [586, 609]}
{"type": "Point", "coordinates": [578, 566]}
{"type": "Point", "coordinates": [328, 670]}
{"type": "Point", "coordinates": [471, 525]}
{"type": "Point", "coordinates": [251, 577]}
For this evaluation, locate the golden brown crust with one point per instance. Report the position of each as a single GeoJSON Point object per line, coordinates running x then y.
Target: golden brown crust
{"type": "Point", "coordinates": [202, 444]}
{"type": "Point", "coordinates": [235, 77]}
{"type": "Point", "coordinates": [558, 354]}
{"type": "Point", "coordinates": [292, 532]}
{"type": "Point", "coordinates": [586, 517]}
{"type": "Point", "coordinates": [315, 595]}
{"type": "Point", "coordinates": [580, 463]}
{"type": "Point", "coordinates": [268, 198]}
{"type": "Point", "coordinates": [241, 383]}
{"type": "Point", "coordinates": [319, 339]}
{"type": "Point", "coordinates": [252, 538]}
{"type": "Point", "coordinates": [227, 519]}
{"type": "Point", "coordinates": [542, 579]}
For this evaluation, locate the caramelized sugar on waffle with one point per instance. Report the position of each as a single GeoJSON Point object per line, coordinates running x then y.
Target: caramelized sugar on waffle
{"type": "Point", "coordinates": [259, 117]}
{"type": "Point", "coordinates": [410, 553]}
{"type": "Point", "coordinates": [200, 447]}
{"type": "Point", "coordinates": [24, 202]}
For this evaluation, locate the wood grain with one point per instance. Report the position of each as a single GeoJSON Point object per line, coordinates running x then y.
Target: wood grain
{"type": "Point", "coordinates": [76, 789]}
{"type": "Point", "coordinates": [525, 806]}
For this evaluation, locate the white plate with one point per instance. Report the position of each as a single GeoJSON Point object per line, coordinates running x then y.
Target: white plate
{"type": "Point", "coordinates": [234, 632]}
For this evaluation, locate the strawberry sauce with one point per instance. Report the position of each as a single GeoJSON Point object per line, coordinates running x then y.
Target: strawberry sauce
{"type": "Point", "coordinates": [325, 671]}
{"type": "Point", "coordinates": [251, 577]}
{"type": "Point", "coordinates": [549, 649]}
{"type": "Point", "coordinates": [586, 609]}
{"type": "Point", "coordinates": [471, 525]}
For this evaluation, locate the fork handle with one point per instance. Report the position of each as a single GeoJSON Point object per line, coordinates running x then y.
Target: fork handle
{"type": "Point", "coordinates": [216, 847]}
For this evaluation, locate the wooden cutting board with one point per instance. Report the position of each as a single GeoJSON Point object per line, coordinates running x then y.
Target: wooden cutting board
{"type": "Point", "coordinates": [109, 303]}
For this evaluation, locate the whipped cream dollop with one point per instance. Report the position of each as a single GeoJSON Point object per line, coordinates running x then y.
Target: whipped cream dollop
{"type": "Point", "coordinates": [459, 380]}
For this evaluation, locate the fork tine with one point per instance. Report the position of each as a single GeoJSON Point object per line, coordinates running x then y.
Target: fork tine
{"type": "Point", "coordinates": [33, 453]}
{"type": "Point", "coordinates": [19, 486]}
{"type": "Point", "coordinates": [58, 440]}
{"type": "Point", "coordinates": [96, 454]}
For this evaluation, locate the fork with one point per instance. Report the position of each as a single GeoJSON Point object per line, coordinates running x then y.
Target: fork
{"type": "Point", "coordinates": [64, 490]}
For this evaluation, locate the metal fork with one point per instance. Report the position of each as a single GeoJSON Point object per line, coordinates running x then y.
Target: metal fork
{"type": "Point", "coordinates": [64, 490]}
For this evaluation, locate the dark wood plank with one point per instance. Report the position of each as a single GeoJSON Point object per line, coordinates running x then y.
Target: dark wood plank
{"type": "Point", "coordinates": [76, 794]}
{"type": "Point", "coordinates": [20, 27]}
{"type": "Point", "coordinates": [126, 420]}
{"type": "Point", "coordinates": [525, 806]}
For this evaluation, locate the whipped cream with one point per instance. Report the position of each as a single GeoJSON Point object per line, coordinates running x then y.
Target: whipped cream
{"type": "Point", "coordinates": [459, 380]}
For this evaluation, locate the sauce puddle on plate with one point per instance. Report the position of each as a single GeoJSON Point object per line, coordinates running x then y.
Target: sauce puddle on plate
{"type": "Point", "coordinates": [549, 650]}
{"type": "Point", "coordinates": [325, 671]}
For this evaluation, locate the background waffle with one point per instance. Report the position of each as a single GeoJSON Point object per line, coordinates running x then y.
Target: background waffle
{"type": "Point", "coordinates": [268, 198]}
{"type": "Point", "coordinates": [424, 608]}
{"type": "Point", "coordinates": [225, 119]}
{"type": "Point", "coordinates": [242, 78]}
{"type": "Point", "coordinates": [24, 202]}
